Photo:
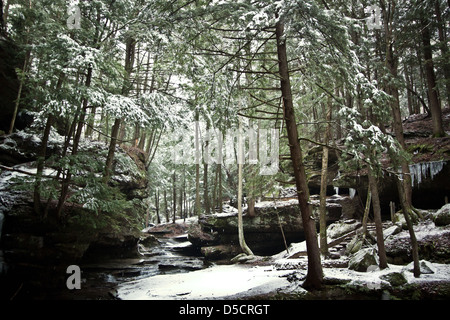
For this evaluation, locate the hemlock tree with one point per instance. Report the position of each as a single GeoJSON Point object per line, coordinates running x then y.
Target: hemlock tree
{"type": "Point", "coordinates": [315, 275]}
{"type": "Point", "coordinates": [389, 10]}
{"type": "Point", "coordinates": [313, 23]}
{"type": "Point", "coordinates": [157, 66]}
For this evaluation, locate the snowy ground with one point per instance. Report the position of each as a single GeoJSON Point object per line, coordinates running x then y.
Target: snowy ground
{"type": "Point", "coordinates": [373, 280]}
{"type": "Point", "coordinates": [282, 276]}
{"type": "Point", "coordinates": [217, 282]}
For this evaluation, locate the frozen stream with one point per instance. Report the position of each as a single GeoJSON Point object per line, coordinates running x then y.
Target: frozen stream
{"type": "Point", "coordinates": [101, 276]}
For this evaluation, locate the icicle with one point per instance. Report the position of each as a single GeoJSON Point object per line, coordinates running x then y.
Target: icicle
{"type": "Point", "coordinates": [419, 173]}
{"type": "Point", "coordinates": [435, 168]}
{"type": "Point", "coordinates": [352, 193]}
{"type": "Point", "coordinates": [413, 171]}
{"type": "Point", "coordinates": [336, 190]}
{"type": "Point", "coordinates": [424, 170]}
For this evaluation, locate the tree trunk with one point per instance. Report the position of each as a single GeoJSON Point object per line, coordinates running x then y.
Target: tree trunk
{"type": "Point", "coordinates": [366, 213]}
{"type": "Point", "coordinates": [185, 213]}
{"type": "Point", "coordinates": [392, 65]}
{"type": "Point", "coordinates": [40, 165]}
{"type": "Point", "coordinates": [112, 148]}
{"type": "Point", "coordinates": [19, 93]}
{"type": "Point", "coordinates": [166, 209]}
{"type": "Point", "coordinates": [43, 153]}
{"type": "Point", "coordinates": [404, 185]}
{"type": "Point", "coordinates": [76, 141]}
{"type": "Point", "coordinates": [407, 214]}
{"type": "Point", "coordinates": [323, 204]}
{"type": "Point", "coordinates": [219, 192]}
{"type": "Point", "coordinates": [435, 105]}
{"type": "Point", "coordinates": [408, 91]}
{"type": "Point", "coordinates": [129, 62]}
{"type": "Point", "coordinates": [91, 123]}
{"type": "Point", "coordinates": [444, 48]}
{"type": "Point", "coordinates": [314, 277]}
{"type": "Point", "coordinates": [180, 202]}
{"type": "Point", "coordinates": [214, 192]}
{"type": "Point", "coordinates": [323, 186]}
{"type": "Point", "coordinates": [174, 200]}
{"type": "Point", "coordinates": [197, 165]}
{"type": "Point", "coordinates": [205, 178]}
{"type": "Point", "coordinates": [158, 218]}
{"type": "Point", "coordinates": [377, 217]}
{"type": "Point", "coordinates": [242, 242]}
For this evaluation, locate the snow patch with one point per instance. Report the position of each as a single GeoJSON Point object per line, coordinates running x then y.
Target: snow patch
{"type": "Point", "coordinates": [215, 282]}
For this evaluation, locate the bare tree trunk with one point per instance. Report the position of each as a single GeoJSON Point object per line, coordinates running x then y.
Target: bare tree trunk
{"type": "Point", "coordinates": [112, 148]}
{"type": "Point", "coordinates": [314, 277]}
{"type": "Point", "coordinates": [174, 200]}
{"type": "Point", "coordinates": [377, 217]}
{"type": "Point", "coordinates": [205, 179]}
{"type": "Point", "coordinates": [435, 105]}
{"type": "Point", "coordinates": [323, 186]}
{"type": "Point", "coordinates": [166, 209]}
{"type": "Point", "coordinates": [19, 93]}
{"type": "Point", "coordinates": [43, 153]}
{"type": "Point", "coordinates": [76, 141]}
{"type": "Point", "coordinates": [404, 186]}
{"type": "Point", "coordinates": [366, 213]}
{"type": "Point", "coordinates": [129, 62]}
{"type": "Point", "coordinates": [219, 192]}
{"type": "Point", "coordinates": [91, 123]}
{"type": "Point", "coordinates": [242, 242]}
{"type": "Point", "coordinates": [444, 48]}
{"type": "Point", "coordinates": [40, 165]}
{"type": "Point", "coordinates": [197, 165]}
{"type": "Point", "coordinates": [407, 210]}
{"type": "Point", "coordinates": [392, 65]}
{"type": "Point", "coordinates": [157, 206]}
{"type": "Point", "coordinates": [214, 193]}
{"type": "Point", "coordinates": [180, 203]}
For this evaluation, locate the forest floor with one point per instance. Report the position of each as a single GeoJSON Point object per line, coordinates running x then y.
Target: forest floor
{"type": "Point", "coordinates": [278, 277]}
{"type": "Point", "coordinates": [242, 281]}
{"type": "Point", "coordinates": [418, 138]}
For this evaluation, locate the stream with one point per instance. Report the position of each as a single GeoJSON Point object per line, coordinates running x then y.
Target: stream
{"type": "Point", "coordinates": [100, 276]}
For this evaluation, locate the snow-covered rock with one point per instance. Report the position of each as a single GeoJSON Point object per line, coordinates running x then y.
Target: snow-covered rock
{"type": "Point", "coordinates": [442, 216]}
{"type": "Point", "coordinates": [433, 243]}
{"type": "Point", "coordinates": [392, 230]}
{"type": "Point", "coordinates": [425, 267]}
{"type": "Point", "coordinates": [340, 228]}
{"type": "Point", "coordinates": [395, 279]}
{"type": "Point", "coordinates": [217, 282]}
{"type": "Point", "coordinates": [362, 259]}
{"type": "Point", "coordinates": [21, 147]}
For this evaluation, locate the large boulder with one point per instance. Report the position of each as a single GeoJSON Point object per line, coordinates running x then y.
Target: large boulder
{"type": "Point", "coordinates": [26, 239]}
{"type": "Point", "coordinates": [395, 279]}
{"type": "Point", "coordinates": [442, 216]}
{"type": "Point", "coordinates": [340, 228]}
{"type": "Point", "coordinates": [21, 147]}
{"type": "Point", "coordinates": [363, 259]}
{"type": "Point", "coordinates": [220, 252]}
{"type": "Point", "coordinates": [263, 232]}
{"type": "Point", "coordinates": [433, 244]}
{"type": "Point", "coordinates": [426, 267]}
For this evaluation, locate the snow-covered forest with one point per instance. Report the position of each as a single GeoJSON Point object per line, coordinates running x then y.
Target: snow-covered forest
{"type": "Point", "coordinates": [144, 112]}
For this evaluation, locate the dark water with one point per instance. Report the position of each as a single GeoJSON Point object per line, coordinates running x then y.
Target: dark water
{"type": "Point", "coordinates": [100, 274]}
